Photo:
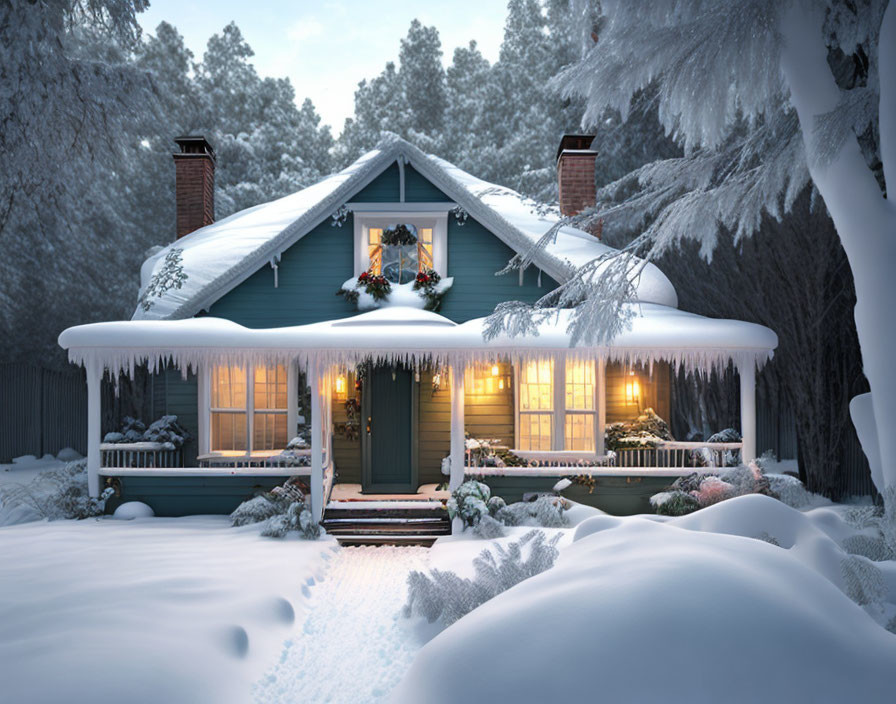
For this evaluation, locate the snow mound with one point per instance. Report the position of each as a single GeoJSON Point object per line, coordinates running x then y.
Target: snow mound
{"type": "Point", "coordinates": [633, 604]}
{"type": "Point", "coordinates": [67, 454]}
{"type": "Point", "coordinates": [130, 510]}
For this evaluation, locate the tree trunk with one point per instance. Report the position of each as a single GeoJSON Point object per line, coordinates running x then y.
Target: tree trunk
{"type": "Point", "coordinates": [865, 220]}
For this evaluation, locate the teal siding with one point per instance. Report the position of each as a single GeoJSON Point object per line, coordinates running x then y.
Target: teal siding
{"type": "Point", "coordinates": [184, 496]}
{"type": "Point", "coordinates": [474, 256]}
{"type": "Point", "coordinates": [386, 188]}
{"type": "Point", "coordinates": [418, 190]}
{"type": "Point", "coordinates": [383, 189]}
{"type": "Point", "coordinates": [174, 395]}
{"type": "Point", "coordinates": [309, 274]}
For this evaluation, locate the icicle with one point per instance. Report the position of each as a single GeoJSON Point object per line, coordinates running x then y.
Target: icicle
{"type": "Point", "coordinates": [539, 278]}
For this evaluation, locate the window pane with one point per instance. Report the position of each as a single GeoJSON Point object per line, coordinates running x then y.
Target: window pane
{"type": "Point", "coordinates": [228, 387]}
{"type": "Point", "coordinates": [535, 431]}
{"type": "Point", "coordinates": [537, 386]}
{"type": "Point", "coordinates": [270, 387]}
{"type": "Point", "coordinates": [269, 431]}
{"type": "Point", "coordinates": [580, 432]}
{"type": "Point", "coordinates": [374, 249]}
{"type": "Point", "coordinates": [424, 244]}
{"type": "Point", "coordinates": [228, 432]}
{"type": "Point", "coordinates": [579, 385]}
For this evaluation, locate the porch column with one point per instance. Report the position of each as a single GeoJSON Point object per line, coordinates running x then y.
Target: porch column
{"type": "Point", "coordinates": [599, 444]}
{"type": "Point", "coordinates": [317, 466]}
{"type": "Point", "coordinates": [94, 381]}
{"type": "Point", "coordinates": [747, 372]}
{"type": "Point", "coordinates": [292, 400]}
{"type": "Point", "coordinates": [457, 427]}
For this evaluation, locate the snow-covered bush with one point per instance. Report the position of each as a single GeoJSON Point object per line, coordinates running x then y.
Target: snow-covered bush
{"type": "Point", "coordinates": [674, 503]}
{"type": "Point", "coordinates": [705, 489]}
{"type": "Point", "coordinates": [58, 494]}
{"type": "Point", "coordinates": [643, 432]}
{"type": "Point", "coordinates": [296, 519]}
{"type": "Point", "coordinates": [166, 430]}
{"type": "Point", "coordinates": [489, 528]}
{"type": "Point", "coordinates": [282, 510]}
{"type": "Point", "coordinates": [257, 509]}
{"type": "Point", "coordinates": [469, 502]}
{"type": "Point", "coordinates": [473, 503]}
{"type": "Point", "coordinates": [875, 548]}
{"type": "Point", "coordinates": [546, 511]}
{"type": "Point", "coordinates": [789, 489]}
{"type": "Point", "coordinates": [446, 597]}
{"type": "Point", "coordinates": [863, 581]}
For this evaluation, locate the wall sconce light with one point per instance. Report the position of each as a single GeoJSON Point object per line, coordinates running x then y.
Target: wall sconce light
{"type": "Point", "coordinates": [632, 389]}
{"type": "Point", "coordinates": [436, 382]}
{"type": "Point", "coordinates": [495, 370]}
{"type": "Point", "coordinates": [340, 386]}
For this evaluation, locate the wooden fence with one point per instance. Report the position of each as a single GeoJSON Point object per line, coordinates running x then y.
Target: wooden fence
{"type": "Point", "coordinates": [41, 410]}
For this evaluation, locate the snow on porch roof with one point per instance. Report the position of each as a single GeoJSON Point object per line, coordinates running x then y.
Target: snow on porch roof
{"type": "Point", "coordinates": [657, 333]}
{"type": "Point", "coordinates": [219, 256]}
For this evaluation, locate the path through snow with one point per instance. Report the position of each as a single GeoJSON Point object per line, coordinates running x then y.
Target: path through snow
{"type": "Point", "coordinates": [353, 645]}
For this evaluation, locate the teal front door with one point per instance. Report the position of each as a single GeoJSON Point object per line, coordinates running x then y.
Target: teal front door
{"type": "Point", "coordinates": [390, 413]}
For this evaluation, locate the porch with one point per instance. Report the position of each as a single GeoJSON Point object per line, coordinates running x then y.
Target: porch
{"type": "Point", "coordinates": [553, 397]}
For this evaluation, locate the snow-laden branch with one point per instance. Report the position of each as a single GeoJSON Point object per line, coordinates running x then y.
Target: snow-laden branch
{"type": "Point", "coordinates": [887, 114]}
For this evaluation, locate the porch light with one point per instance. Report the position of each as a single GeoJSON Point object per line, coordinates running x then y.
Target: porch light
{"type": "Point", "coordinates": [495, 370]}
{"type": "Point", "coordinates": [436, 382]}
{"type": "Point", "coordinates": [632, 389]}
{"type": "Point", "coordinates": [340, 385]}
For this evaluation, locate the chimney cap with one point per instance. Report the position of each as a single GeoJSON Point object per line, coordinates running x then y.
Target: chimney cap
{"type": "Point", "coordinates": [194, 144]}
{"type": "Point", "coordinates": [575, 142]}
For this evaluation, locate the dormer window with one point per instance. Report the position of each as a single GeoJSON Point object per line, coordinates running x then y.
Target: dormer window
{"type": "Point", "coordinates": [398, 261]}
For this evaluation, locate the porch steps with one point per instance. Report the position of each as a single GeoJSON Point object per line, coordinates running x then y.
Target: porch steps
{"type": "Point", "coordinates": [351, 523]}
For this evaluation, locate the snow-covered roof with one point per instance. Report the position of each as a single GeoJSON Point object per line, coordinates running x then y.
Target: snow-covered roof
{"type": "Point", "coordinates": [410, 335]}
{"type": "Point", "coordinates": [219, 256]}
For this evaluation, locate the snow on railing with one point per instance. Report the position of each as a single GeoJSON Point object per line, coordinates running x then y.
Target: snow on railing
{"type": "Point", "coordinates": [675, 454]}
{"type": "Point", "coordinates": [140, 454]}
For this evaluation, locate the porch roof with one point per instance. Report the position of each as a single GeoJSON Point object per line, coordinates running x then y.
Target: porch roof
{"type": "Point", "coordinates": [656, 333]}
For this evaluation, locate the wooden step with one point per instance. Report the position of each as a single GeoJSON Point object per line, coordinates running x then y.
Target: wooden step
{"type": "Point", "coordinates": [382, 524]}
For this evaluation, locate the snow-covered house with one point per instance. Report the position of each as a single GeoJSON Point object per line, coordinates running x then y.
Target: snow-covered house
{"type": "Point", "coordinates": [237, 319]}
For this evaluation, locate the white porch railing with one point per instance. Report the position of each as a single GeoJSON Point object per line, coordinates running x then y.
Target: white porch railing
{"type": "Point", "coordinates": [140, 454]}
{"type": "Point", "coordinates": [670, 454]}
{"type": "Point", "coordinates": [675, 454]}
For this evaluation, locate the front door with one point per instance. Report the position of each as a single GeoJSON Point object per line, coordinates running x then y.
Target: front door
{"type": "Point", "coordinates": [389, 424]}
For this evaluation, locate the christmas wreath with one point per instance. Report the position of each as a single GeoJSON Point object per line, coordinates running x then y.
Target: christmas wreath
{"type": "Point", "coordinates": [399, 235]}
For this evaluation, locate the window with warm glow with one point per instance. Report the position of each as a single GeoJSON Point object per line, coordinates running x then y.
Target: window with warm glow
{"type": "Point", "coordinates": [244, 422]}
{"type": "Point", "coordinates": [487, 379]}
{"type": "Point", "coordinates": [420, 258]}
{"type": "Point", "coordinates": [536, 405]}
{"type": "Point", "coordinates": [542, 385]}
{"type": "Point", "coordinates": [424, 249]}
{"type": "Point", "coordinates": [580, 412]}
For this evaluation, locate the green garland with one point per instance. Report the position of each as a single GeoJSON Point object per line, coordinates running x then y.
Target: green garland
{"type": "Point", "coordinates": [398, 235]}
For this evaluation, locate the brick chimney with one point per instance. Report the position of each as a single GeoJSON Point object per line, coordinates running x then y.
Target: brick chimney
{"type": "Point", "coordinates": [194, 168]}
{"type": "Point", "coordinates": [575, 173]}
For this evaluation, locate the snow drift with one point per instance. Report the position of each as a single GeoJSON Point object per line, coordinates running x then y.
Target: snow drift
{"type": "Point", "coordinates": [660, 610]}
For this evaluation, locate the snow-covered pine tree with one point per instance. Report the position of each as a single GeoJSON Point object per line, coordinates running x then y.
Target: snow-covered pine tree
{"type": "Point", "coordinates": [755, 94]}
{"type": "Point", "coordinates": [423, 78]}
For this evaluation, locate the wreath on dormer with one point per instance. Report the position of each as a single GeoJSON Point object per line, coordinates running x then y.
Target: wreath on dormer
{"type": "Point", "coordinates": [398, 236]}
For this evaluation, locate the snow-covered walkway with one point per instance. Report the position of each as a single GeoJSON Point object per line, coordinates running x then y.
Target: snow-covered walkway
{"type": "Point", "coordinates": [353, 645]}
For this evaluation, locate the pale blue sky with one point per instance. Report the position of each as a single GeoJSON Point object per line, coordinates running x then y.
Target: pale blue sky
{"type": "Point", "coordinates": [327, 47]}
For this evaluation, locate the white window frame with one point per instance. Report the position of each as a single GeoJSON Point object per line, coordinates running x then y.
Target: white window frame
{"type": "Point", "coordinates": [437, 220]}
{"type": "Point", "coordinates": [558, 424]}
{"type": "Point", "coordinates": [205, 407]}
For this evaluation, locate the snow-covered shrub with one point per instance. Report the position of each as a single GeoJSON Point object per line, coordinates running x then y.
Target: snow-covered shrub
{"type": "Point", "coordinates": [446, 597]}
{"type": "Point", "coordinates": [257, 509]}
{"type": "Point", "coordinates": [768, 538]}
{"type": "Point", "coordinates": [789, 490]}
{"type": "Point", "coordinates": [282, 510]}
{"type": "Point", "coordinates": [863, 581]}
{"type": "Point", "coordinates": [58, 494]}
{"type": "Point", "coordinates": [489, 528]}
{"type": "Point", "coordinates": [166, 430]}
{"type": "Point", "coordinates": [296, 519]}
{"type": "Point", "coordinates": [674, 503]}
{"type": "Point", "coordinates": [495, 504]}
{"type": "Point", "coordinates": [470, 502]}
{"type": "Point", "coordinates": [546, 511]}
{"type": "Point", "coordinates": [713, 490]}
{"type": "Point", "coordinates": [644, 432]}
{"type": "Point", "coordinates": [875, 548]}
